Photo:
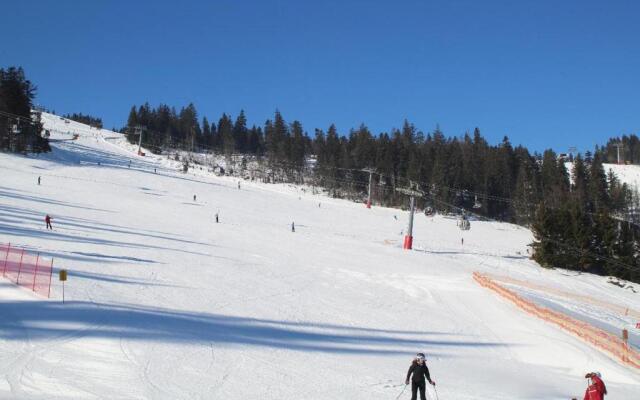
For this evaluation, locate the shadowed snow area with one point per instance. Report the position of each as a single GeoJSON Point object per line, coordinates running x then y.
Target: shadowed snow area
{"type": "Point", "coordinates": [164, 303]}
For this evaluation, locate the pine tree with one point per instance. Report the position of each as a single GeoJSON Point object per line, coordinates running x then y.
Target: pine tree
{"type": "Point", "coordinates": [240, 133]}
{"type": "Point", "coordinates": [206, 133]}
{"type": "Point", "coordinates": [580, 184]}
{"type": "Point", "coordinates": [598, 185]}
{"type": "Point", "coordinates": [20, 131]}
{"type": "Point", "coordinates": [216, 139]}
{"type": "Point", "coordinates": [254, 144]}
{"type": "Point", "coordinates": [225, 131]}
{"type": "Point", "coordinates": [525, 197]}
{"type": "Point", "coordinates": [297, 150]}
{"type": "Point", "coordinates": [280, 140]}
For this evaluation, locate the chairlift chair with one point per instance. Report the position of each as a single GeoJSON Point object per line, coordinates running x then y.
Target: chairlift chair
{"type": "Point", "coordinates": [476, 203]}
{"type": "Point", "coordinates": [464, 224]}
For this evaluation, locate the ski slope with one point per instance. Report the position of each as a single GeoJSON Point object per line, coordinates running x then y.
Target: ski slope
{"type": "Point", "coordinates": [629, 174]}
{"type": "Point", "coordinates": [163, 303]}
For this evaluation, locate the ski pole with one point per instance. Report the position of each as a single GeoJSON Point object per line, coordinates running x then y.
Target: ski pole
{"type": "Point", "coordinates": [436, 391]}
{"type": "Point", "coordinates": [405, 386]}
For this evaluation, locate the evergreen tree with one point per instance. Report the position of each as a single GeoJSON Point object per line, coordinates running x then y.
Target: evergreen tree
{"type": "Point", "coordinates": [255, 141]}
{"type": "Point", "coordinates": [297, 149]}
{"type": "Point", "coordinates": [598, 185]}
{"type": "Point", "coordinates": [20, 130]}
{"type": "Point", "coordinates": [225, 131]}
{"type": "Point", "coordinates": [280, 142]}
{"type": "Point", "coordinates": [216, 139]}
{"type": "Point", "coordinates": [240, 133]}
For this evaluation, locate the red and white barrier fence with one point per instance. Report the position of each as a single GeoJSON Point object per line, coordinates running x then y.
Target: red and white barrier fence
{"type": "Point", "coordinates": [603, 340]}
{"type": "Point", "coordinates": [26, 269]}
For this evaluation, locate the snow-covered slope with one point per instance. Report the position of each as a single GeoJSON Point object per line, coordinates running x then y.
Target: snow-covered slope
{"type": "Point", "coordinates": [629, 174]}
{"type": "Point", "coordinates": [163, 303]}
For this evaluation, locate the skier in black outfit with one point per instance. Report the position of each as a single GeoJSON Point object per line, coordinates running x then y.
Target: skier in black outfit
{"type": "Point", "coordinates": [419, 370]}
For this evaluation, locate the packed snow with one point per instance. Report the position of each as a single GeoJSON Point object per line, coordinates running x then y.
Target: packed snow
{"type": "Point", "coordinates": [164, 303]}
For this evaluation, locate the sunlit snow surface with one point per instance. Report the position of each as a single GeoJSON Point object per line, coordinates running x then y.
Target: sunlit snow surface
{"type": "Point", "coordinates": [163, 303]}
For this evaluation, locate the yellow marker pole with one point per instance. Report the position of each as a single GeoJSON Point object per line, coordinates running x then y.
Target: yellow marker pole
{"type": "Point", "coordinates": [63, 278]}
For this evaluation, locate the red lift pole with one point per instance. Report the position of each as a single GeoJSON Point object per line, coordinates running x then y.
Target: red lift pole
{"type": "Point", "coordinates": [408, 238]}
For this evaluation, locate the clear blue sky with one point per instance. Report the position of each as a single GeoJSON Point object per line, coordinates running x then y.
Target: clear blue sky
{"type": "Point", "coordinates": [545, 73]}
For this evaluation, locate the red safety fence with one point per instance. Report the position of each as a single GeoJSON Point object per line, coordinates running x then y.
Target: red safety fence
{"type": "Point", "coordinates": [603, 340]}
{"type": "Point", "coordinates": [26, 269]}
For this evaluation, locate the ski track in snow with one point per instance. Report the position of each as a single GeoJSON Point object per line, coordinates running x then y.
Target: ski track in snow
{"type": "Point", "coordinates": [163, 303]}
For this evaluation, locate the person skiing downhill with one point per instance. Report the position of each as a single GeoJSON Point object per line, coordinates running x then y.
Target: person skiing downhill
{"type": "Point", "coordinates": [419, 371]}
{"type": "Point", "coordinates": [596, 390]}
{"type": "Point", "coordinates": [47, 220]}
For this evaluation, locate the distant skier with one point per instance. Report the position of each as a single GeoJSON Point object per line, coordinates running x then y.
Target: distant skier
{"type": "Point", "coordinates": [419, 371]}
{"type": "Point", "coordinates": [217, 218]}
{"type": "Point", "coordinates": [293, 227]}
{"type": "Point", "coordinates": [154, 170]}
{"type": "Point", "coordinates": [38, 180]}
{"type": "Point", "coordinates": [596, 390]}
{"type": "Point", "coordinates": [47, 220]}
{"type": "Point", "coordinates": [238, 184]}
{"type": "Point", "coordinates": [129, 163]}
{"type": "Point", "coordinates": [462, 241]}
{"type": "Point", "coordinates": [194, 197]}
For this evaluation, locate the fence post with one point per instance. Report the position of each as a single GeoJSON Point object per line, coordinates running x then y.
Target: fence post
{"type": "Point", "coordinates": [625, 346]}
{"type": "Point", "coordinates": [4, 270]}
{"type": "Point", "coordinates": [20, 267]}
{"type": "Point", "coordinates": [50, 273]}
{"type": "Point", "coordinates": [35, 273]}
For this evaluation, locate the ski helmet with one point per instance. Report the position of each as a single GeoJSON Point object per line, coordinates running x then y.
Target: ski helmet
{"type": "Point", "coordinates": [420, 356]}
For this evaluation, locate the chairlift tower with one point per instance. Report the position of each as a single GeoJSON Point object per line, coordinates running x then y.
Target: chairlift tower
{"type": "Point", "coordinates": [408, 238]}
{"type": "Point", "coordinates": [138, 129]}
{"type": "Point", "coordinates": [370, 171]}
{"type": "Point", "coordinates": [618, 146]}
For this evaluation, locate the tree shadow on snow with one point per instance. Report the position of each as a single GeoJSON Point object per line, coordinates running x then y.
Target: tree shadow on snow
{"type": "Point", "coordinates": [12, 221]}
{"type": "Point", "coordinates": [12, 193]}
{"type": "Point", "coordinates": [117, 258]}
{"type": "Point", "coordinates": [119, 279]}
{"type": "Point", "coordinates": [48, 320]}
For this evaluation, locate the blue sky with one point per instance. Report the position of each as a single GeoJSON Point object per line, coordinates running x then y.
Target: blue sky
{"type": "Point", "coordinates": [545, 73]}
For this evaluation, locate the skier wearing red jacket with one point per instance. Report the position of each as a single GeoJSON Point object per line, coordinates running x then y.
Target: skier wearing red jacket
{"type": "Point", "coordinates": [47, 220]}
{"type": "Point", "coordinates": [596, 390]}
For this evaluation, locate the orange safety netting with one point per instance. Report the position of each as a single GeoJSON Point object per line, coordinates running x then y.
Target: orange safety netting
{"type": "Point", "coordinates": [599, 338]}
{"type": "Point", "coordinates": [616, 308]}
